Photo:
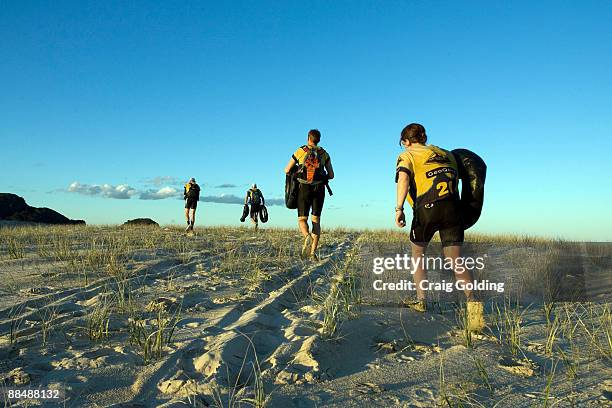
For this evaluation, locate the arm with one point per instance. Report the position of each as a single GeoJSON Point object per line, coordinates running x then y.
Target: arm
{"type": "Point", "coordinates": [403, 182]}
{"type": "Point", "coordinates": [263, 200]}
{"type": "Point", "coordinates": [290, 165]}
{"type": "Point", "coordinates": [329, 169]}
{"type": "Point", "coordinates": [246, 199]}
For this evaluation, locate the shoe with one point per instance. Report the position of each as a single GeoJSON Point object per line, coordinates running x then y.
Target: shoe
{"type": "Point", "coordinates": [314, 257]}
{"type": "Point", "coordinates": [416, 305]}
{"type": "Point", "coordinates": [475, 316]}
{"type": "Point", "coordinates": [188, 227]}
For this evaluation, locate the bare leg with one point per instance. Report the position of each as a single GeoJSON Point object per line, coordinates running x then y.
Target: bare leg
{"type": "Point", "coordinates": [187, 215]}
{"type": "Point", "coordinates": [465, 277]}
{"type": "Point", "coordinates": [419, 273]}
{"type": "Point", "coordinates": [303, 224]}
{"type": "Point", "coordinates": [192, 216]}
{"type": "Point", "coordinates": [475, 309]}
{"type": "Point", "coordinates": [315, 234]}
{"type": "Point", "coordinates": [255, 220]}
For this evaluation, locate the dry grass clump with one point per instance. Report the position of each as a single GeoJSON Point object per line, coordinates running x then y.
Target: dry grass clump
{"type": "Point", "coordinates": [339, 296]}
{"type": "Point", "coordinates": [152, 336]}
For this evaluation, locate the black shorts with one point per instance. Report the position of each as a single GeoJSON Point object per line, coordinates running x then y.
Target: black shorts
{"type": "Point", "coordinates": [441, 216]}
{"type": "Point", "coordinates": [191, 203]}
{"type": "Point", "coordinates": [310, 196]}
{"type": "Point", "coordinates": [255, 208]}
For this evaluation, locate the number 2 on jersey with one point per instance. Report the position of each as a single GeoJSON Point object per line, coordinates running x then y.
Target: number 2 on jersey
{"type": "Point", "coordinates": [442, 188]}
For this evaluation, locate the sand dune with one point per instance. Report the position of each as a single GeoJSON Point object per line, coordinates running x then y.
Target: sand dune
{"type": "Point", "coordinates": [230, 318]}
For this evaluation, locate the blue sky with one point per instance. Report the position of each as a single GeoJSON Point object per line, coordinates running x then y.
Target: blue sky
{"type": "Point", "coordinates": [147, 94]}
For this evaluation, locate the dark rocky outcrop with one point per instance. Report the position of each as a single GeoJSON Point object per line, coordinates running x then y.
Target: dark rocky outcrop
{"type": "Point", "coordinates": [14, 208]}
{"type": "Point", "coordinates": [141, 222]}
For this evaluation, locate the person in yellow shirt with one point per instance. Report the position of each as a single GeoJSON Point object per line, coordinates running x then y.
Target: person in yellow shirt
{"type": "Point", "coordinates": [427, 177]}
{"type": "Point", "coordinates": [314, 168]}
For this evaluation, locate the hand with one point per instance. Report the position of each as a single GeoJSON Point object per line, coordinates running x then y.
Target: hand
{"type": "Point", "coordinates": [400, 219]}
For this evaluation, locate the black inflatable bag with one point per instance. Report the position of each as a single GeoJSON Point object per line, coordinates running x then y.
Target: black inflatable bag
{"type": "Point", "coordinates": [245, 213]}
{"type": "Point", "coordinates": [291, 189]}
{"type": "Point", "coordinates": [263, 214]}
{"type": "Point", "coordinates": [472, 172]}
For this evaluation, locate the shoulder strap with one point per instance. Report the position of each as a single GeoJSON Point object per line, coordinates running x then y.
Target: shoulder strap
{"type": "Point", "coordinates": [322, 153]}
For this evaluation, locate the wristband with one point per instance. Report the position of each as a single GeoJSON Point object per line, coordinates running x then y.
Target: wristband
{"type": "Point", "coordinates": [399, 209]}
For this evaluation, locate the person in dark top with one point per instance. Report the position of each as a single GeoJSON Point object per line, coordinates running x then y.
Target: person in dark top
{"type": "Point", "coordinates": [191, 193]}
{"type": "Point", "coordinates": [254, 198]}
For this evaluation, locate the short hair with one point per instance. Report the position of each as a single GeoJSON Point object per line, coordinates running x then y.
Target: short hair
{"type": "Point", "coordinates": [415, 133]}
{"type": "Point", "coordinates": [314, 135]}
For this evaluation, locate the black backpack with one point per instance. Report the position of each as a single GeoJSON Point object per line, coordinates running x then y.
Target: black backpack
{"type": "Point", "coordinates": [291, 189]}
{"type": "Point", "coordinates": [255, 196]}
{"type": "Point", "coordinates": [192, 191]}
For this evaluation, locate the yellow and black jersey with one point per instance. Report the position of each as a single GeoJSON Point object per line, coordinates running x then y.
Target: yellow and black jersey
{"type": "Point", "coordinates": [311, 161]}
{"type": "Point", "coordinates": [433, 174]}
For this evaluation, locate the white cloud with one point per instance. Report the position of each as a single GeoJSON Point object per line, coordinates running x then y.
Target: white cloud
{"type": "Point", "coordinates": [165, 192]}
{"type": "Point", "coordinates": [124, 192]}
{"type": "Point", "coordinates": [223, 199]}
{"type": "Point", "coordinates": [121, 191]}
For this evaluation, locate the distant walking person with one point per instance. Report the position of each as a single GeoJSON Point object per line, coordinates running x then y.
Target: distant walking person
{"type": "Point", "coordinates": [254, 198]}
{"type": "Point", "coordinates": [191, 193]}
{"type": "Point", "coordinates": [313, 166]}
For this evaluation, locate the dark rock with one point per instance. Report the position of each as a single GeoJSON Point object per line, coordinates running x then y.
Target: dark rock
{"type": "Point", "coordinates": [140, 222]}
{"type": "Point", "coordinates": [14, 208]}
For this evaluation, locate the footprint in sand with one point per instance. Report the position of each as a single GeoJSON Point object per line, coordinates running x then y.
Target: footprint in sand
{"type": "Point", "coordinates": [535, 347]}
{"type": "Point", "coordinates": [41, 290]}
{"type": "Point", "coordinates": [226, 299]}
{"type": "Point", "coordinates": [162, 304]}
{"type": "Point", "coordinates": [422, 397]}
{"type": "Point", "coordinates": [369, 388]}
{"type": "Point", "coordinates": [522, 367]}
{"type": "Point", "coordinates": [95, 299]}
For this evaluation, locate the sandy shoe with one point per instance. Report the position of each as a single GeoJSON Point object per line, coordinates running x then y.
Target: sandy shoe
{"type": "Point", "coordinates": [475, 316]}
